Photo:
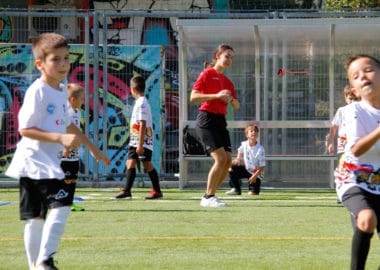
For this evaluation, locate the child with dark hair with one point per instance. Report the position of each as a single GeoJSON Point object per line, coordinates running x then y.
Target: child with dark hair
{"type": "Point", "coordinates": [249, 163]}
{"type": "Point", "coordinates": [46, 129]}
{"type": "Point", "coordinates": [141, 142]}
{"type": "Point", "coordinates": [357, 177]}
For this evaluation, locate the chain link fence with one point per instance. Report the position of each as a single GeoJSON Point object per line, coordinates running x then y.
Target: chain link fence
{"type": "Point", "coordinates": [143, 38]}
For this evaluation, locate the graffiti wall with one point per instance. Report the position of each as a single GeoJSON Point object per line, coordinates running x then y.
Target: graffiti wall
{"type": "Point", "coordinates": [17, 71]}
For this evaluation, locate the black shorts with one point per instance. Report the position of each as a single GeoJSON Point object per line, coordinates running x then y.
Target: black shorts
{"type": "Point", "coordinates": [356, 199]}
{"type": "Point", "coordinates": [146, 156]}
{"type": "Point", "coordinates": [212, 130]}
{"type": "Point", "coordinates": [37, 196]}
{"type": "Point", "coordinates": [70, 168]}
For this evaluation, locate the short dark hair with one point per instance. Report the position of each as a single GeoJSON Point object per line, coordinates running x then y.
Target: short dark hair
{"type": "Point", "coordinates": [138, 82]}
{"type": "Point", "coordinates": [358, 56]}
{"type": "Point", "coordinates": [46, 42]}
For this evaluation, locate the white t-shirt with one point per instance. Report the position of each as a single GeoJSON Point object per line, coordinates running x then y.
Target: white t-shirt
{"type": "Point", "coordinates": [339, 121]}
{"type": "Point", "coordinates": [141, 111]}
{"type": "Point", "coordinates": [254, 156]}
{"type": "Point", "coordinates": [361, 119]}
{"type": "Point", "coordinates": [45, 108]}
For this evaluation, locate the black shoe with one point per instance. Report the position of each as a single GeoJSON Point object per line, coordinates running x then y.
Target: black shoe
{"type": "Point", "coordinates": [47, 265]}
{"type": "Point", "coordinates": [124, 195]}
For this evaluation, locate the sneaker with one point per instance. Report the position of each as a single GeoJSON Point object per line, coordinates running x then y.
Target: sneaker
{"type": "Point", "coordinates": [252, 193]}
{"type": "Point", "coordinates": [212, 202]}
{"type": "Point", "coordinates": [46, 265]}
{"type": "Point", "coordinates": [76, 208]}
{"type": "Point", "coordinates": [153, 195]}
{"type": "Point", "coordinates": [233, 192]}
{"type": "Point", "coordinates": [124, 195]}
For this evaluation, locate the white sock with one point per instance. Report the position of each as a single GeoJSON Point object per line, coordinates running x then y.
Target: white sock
{"type": "Point", "coordinates": [32, 239]}
{"type": "Point", "coordinates": [53, 229]}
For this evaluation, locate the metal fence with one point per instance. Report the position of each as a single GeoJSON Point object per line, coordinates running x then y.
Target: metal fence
{"type": "Point", "coordinates": [147, 43]}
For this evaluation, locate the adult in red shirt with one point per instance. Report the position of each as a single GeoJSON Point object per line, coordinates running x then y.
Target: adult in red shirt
{"type": "Point", "coordinates": [215, 91]}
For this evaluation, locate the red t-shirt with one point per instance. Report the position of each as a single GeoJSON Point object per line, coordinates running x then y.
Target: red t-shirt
{"type": "Point", "coordinates": [212, 82]}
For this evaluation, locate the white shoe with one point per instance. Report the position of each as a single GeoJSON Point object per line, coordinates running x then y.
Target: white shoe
{"type": "Point", "coordinates": [212, 202]}
{"type": "Point", "coordinates": [233, 192]}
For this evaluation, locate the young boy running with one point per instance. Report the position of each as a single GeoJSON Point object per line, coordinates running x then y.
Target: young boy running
{"type": "Point", "coordinates": [43, 121]}
{"type": "Point", "coordinates": [141, 142]}
{"type": "Point", "coordinates": [357, 178]}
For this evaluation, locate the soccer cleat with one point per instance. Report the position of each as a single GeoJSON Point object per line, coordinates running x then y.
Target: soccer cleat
{"type": "Point", "coordinates": [233, 192]}
{"type": "Point", "coordinates": [46, 265]}
{"type": "Point", "coordinates": [124, 195]}
{"type": "Point", "coordinates": [212, 202]}
{"type": "Point", "coordinates": [252, 193]}
{"type": "Point", "coordinates": [153, 195]}
{"type": "Point", "coordinates": [76, 208]}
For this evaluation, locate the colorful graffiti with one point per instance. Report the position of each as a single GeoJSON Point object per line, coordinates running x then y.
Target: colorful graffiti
{"type": "Point", "coordinates": [120, 31]}
{"type": "Point", "coordinates": [17, 71]}
{"type": "Point", "coordinates": [6, 25]}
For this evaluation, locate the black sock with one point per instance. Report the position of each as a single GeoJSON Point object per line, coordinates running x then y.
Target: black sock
{"type": "Point", "coordinates": [236, 183]}
{"type": "Point", "coordinates": [360, 248]}
{"type": "Point", "coordinates": [155, 180]}
{"type": "Point", "coordinates": [131, 175]}
{"type": "Point", "coordinates": [208, 196]}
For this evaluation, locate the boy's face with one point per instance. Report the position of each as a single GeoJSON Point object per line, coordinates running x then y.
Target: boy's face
{"type": "Point", "coordinates": [55, 66]}
{"type": "Point", "coordinates": [348, 98]}
{"type": "Point", "coordinates": [251, 133]}
{"type": "Point", "coordinates": [364, 77]}
{"type": "Point", "coordinates": [133, 90]}
{"type": "Point", "coordinates": [77, 102]}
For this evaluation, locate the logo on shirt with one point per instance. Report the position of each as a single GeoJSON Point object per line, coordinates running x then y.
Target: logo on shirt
{"type": "Point", "coordinates": [50, 108]}
{"type": "Point", "coordinates": [60, 122]}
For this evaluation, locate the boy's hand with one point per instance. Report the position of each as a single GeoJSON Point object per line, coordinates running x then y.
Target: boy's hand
{"type": "Point", "coordinates": [65, 152]}
{"type": "Point", "coordinates": [252, 180]}
{"type": "Point", "coordinates": [139, 150]}
{"type": "Point", "coordinates": [236, 161]}
{"type": "Point", "coordinates": [99, 156]}
{"type": "Point", "coordinates": [70, 141]}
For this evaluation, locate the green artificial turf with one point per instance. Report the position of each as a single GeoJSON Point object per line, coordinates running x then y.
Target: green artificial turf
{"type": "Point", "coordinates": [279, 229]}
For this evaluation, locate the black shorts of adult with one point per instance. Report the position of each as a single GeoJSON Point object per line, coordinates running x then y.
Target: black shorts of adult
{"type": "Point", "coordinates": [212, 130]}
{"type": "Point", "coordinates": [37, 196]}
{"type": "Point", "coordinates": [146, 156]}
{"type": "Point", "coordinates": [356, 199]}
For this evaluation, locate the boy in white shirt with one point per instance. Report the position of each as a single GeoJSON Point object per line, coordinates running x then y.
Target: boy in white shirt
{"type": "Point", "coordinates": [140, 142]}
{"type": "Point", "coordinates": [252, 153]}
{"type": "Point", "coordinates": [43, 122]}
{"type": "Point", "coordinates": [338, 124]}
{"type": "Point", "coordinates": [70, 158]}
{"type": "Point", "coordinates": [357, 178]}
